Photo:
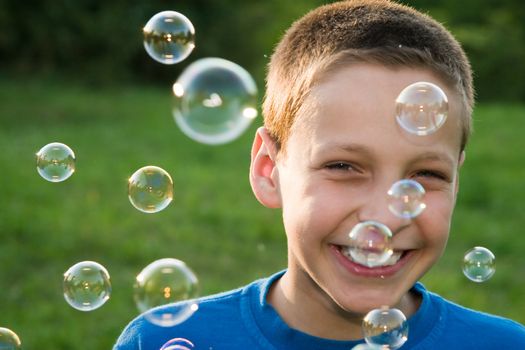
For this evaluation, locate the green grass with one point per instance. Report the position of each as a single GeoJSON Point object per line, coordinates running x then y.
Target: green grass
{"type": "Point", "coordinates": [214, 223]}
{"type": "Point", "coordinates": [490, 213]}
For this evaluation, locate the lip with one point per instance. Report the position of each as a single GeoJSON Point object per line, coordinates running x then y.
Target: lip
{"type": "Point", "coordinates": [364, 271]}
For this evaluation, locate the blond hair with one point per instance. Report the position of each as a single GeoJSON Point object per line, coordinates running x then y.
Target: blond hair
{"type": "Point", "coordinates": [377, 31]}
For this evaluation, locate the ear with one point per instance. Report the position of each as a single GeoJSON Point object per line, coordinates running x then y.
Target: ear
{"type": "Point", "coordinates": [264, 177]}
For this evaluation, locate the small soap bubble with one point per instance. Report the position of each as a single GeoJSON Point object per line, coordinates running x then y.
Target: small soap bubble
{"type": "Point", "coordinates": [86, 286]}
{"type": "Point", "coordinates": [150, 189]}
{"type": "Point", "coordinates": [9, 340]}
{"type": "Point", "coordinates": [369, 244]}
{"type": "Point", "coordinates": [55, 162]}
{"type": "Point", "coordinates": [178, 344]}
{"type": "Point", "coordinates": [386, 328]}
{"type": "Point", "coordinates": [365, 346]}
{"type": "Point", "coordinates": [479, 264]}
{"type": "Point", "coordinates": [169, 37]}
{"type": "Point", "coordinates": [405, 199]}
{"type": "Point", "coordinates": [215, 101]}
{"type": "Point", "coordinates": [421, 108]}
{"type": "Point", "coordinates": [162, 282]}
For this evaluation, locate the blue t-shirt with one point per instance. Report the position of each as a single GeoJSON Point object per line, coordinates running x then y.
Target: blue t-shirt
{"type": "Point", "coordinates": [242, 320]}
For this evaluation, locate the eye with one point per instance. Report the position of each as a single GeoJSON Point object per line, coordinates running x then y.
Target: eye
{"type": "Point", "coordinates": [432, 174]}
{"type": "Point", "coordinates": [341, 166]}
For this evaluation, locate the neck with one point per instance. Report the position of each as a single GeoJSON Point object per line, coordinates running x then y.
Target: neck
{"type": "Point", "coordinates": [317, 314]}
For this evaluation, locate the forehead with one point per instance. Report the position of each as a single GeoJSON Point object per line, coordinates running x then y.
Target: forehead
{"type": "Point", "coordinates": [357, 103]}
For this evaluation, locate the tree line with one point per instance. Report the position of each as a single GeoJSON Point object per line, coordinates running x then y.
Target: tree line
{"type": "Point", "coordinates": [100, 42]}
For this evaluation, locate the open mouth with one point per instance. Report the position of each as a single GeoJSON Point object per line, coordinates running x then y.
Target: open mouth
{"type": "Point", "coordinates": [363, 263]}
{"type": "Point", "coordinates": [371, 258]}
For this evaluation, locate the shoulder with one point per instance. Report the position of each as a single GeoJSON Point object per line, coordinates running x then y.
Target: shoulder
{"type": "Point", "coordinates": [195, 314]}
{"type": "Point", "coordinates": [478, 327]}
{"type": "Point", "coordinates": [483, 321]}
{"type": "Point", "coordinates": [216, 314]}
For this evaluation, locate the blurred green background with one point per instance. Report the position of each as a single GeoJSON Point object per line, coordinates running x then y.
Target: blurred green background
{"type": "Point", "coordinates": [76, 72]}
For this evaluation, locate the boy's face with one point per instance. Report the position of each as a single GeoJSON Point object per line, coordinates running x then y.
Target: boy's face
{"type": "Point", "coordinates": [344, 152]}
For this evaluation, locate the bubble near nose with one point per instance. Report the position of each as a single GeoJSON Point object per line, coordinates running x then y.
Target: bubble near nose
{"type": "Point", "coordinates": [370, 243]}
{"type": "Point", "coordinates": [405, 199]}
{"type": "Point", "coordinates": [421, 108]}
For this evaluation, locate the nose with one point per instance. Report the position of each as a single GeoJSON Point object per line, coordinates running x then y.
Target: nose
{"type": "Point", "coordinates": [375, 207]}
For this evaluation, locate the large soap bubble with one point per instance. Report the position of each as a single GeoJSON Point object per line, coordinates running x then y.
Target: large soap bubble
{"type": "Point", "coordinates": [163, 282]}
{"type": "Point", "coordinates": [215, 101]}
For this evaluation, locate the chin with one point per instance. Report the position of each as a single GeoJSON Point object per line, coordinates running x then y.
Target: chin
{"type": "Point", "coordinates": [362, 302]}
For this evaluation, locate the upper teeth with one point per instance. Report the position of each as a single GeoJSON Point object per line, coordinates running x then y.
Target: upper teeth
{"type": "Point", "coordinates": [393, 259]}
{"type": "Point", "coordinates": [370, 259]}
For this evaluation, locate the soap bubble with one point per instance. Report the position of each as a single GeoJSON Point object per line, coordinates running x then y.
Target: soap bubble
{"type": "Point", "coordinates": [215, 101]}
{"type": "Point", "coordinates": [421, 108]}
{"type": "Point", "coordinates": [178, 344]}
{"type": "Point", "coordinates": [385, 327]}
{"type": "Point", "coordinates": [479, 264]}
{"type": "Point", "coordinates": [55, 162]}
{"type": "Point", "coordinates": [369, 244]}
{"type": "Point", "coordinates": [405, 199]}
{"type": "Point", "coordinates": [86, 285]}
{"type": "Point", "coordinates": [150, 189]}
{"type": "Point", "coordinates": [169, 37]}
{"type": "Point", "coordinates": [366, 346]}
{"type": "Point", "coordinates": [9, 340]}
{"type": "Point", "coordinates": [162, 282]}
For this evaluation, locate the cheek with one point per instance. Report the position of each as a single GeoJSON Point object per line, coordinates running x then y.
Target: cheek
{"type": "Point", "coordinates": [310, 214]}
{"type": "Point", "coordinates": [436, 218]}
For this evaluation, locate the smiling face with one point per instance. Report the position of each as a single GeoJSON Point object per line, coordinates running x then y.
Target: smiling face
{"type": "Point", "coordinates": [344, 153]}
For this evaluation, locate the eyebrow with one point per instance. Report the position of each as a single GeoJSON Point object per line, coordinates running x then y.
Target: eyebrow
{"type": "Point", "coordinates": [435, 156]}
{"type": "Point", "coordinates": [346, 146]}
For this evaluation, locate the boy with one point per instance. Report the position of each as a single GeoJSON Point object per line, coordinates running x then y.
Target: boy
{"type": "Point", "coordinates": [329, 151]}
